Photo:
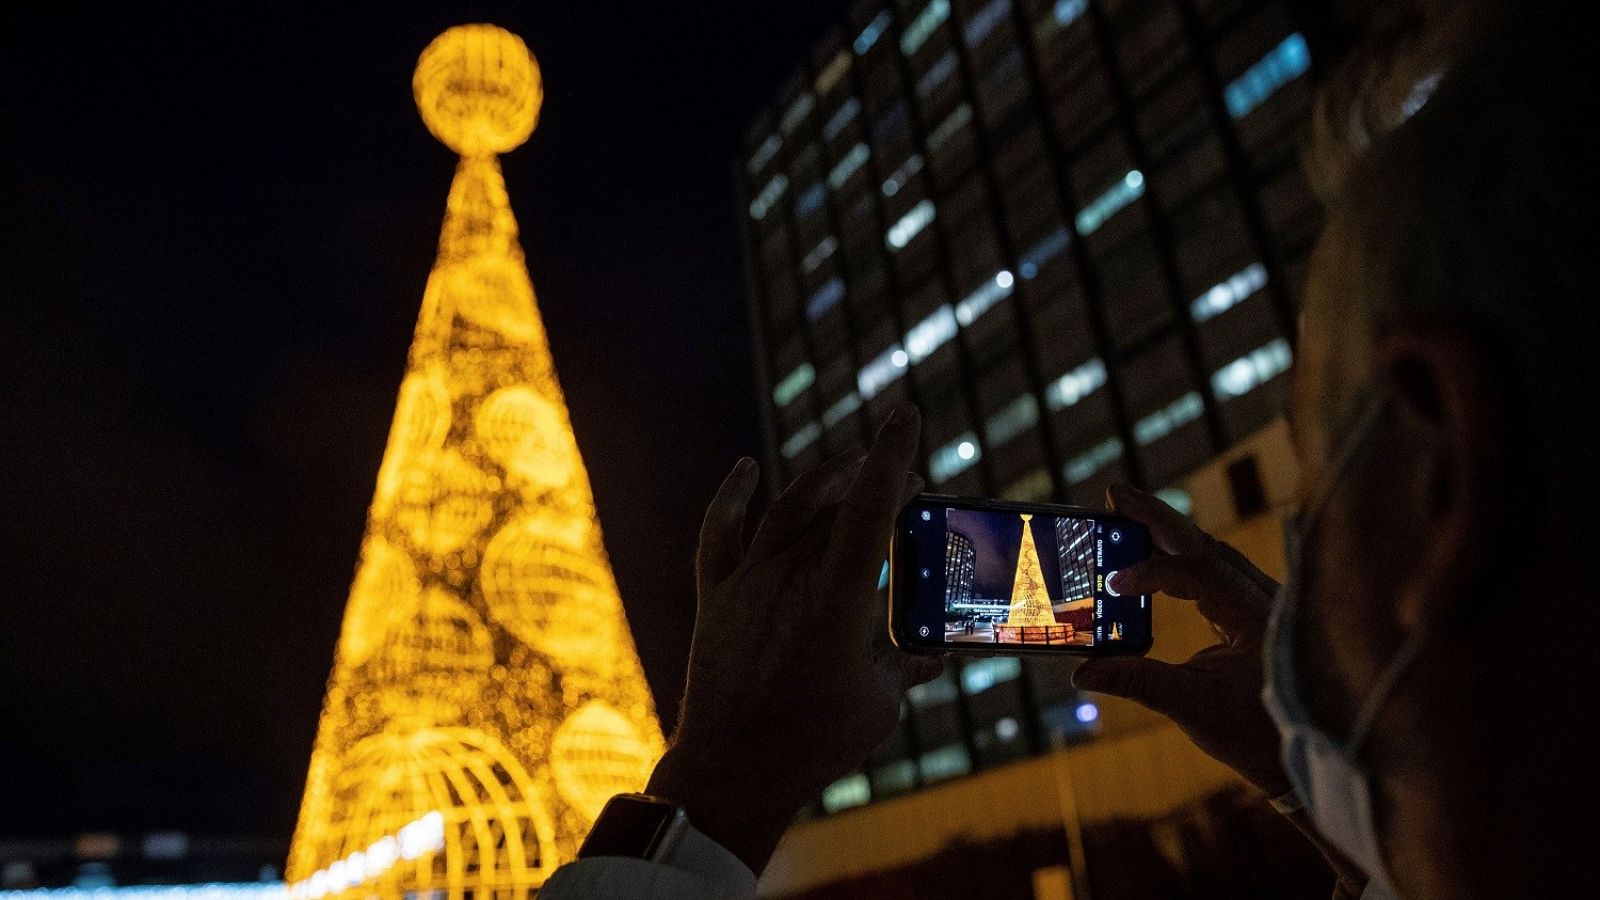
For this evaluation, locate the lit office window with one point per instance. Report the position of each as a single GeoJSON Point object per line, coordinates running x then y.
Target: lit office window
{"type": "Point", "coordinates": [768, 196]}
{"type": "Point", "coordinates": [1076, 385]}
{"type": "Point", "coordinates": [794, 384]}
{"type": "Point", "coordinates": [810, 201]}
{"type": "Point", "coordinates": [895, 182]}
{"type": "Point", "coordinates": [910, 225]}
{"type": "Point", "coordinates": [954, 458]}
{"type": "Point", "coordinates": [1168, 419]}
{"type": "Point", "coordinates": [797, 112]}
{"type": "Point", "coordinates": [930, 334]}
{"type": "Point", "coordinates": [1420, 92]}
{"type": "Point", "coordinates": [801, 439]}
{"type": "Point", "coordinates": [937, 73]}
{"type": "Point", "coordinates": [848, 166]}
{"type": "Point", "coordinates": [822, 251]}
{"type": "Point", "coordinates": [1013, 419]}
{"type": "Point", "coordinates": [872, 32]}
{"type": "Point", "coordinates": [945, 762]}
{"type": "Point", "coordinates": [764, 154]}
{"type": "Point", "coordinates": [937, 692]}
{"type": "Point", "coordinates": [882, 371]}
{"type": "Point", "coordinates": [1044, 251]}
{"type": "Point", "coordinates": [824, 298]}
{"type": "Point", "coordinates": [944, 131]}
{"type": "Point", "coordinates": [895, 777]}
{"type": "Point", "coordinates": [921, 28]}
{"type": "Point", "coordinates": [1228, 294]}
{"type": "Point", "coordinates": [1082, 467]}
{"type": "Point", "coordinates": [840, 119]}
{"type": "Point", "coordinates": [851, 790]}
{"type": "Point", "coordinates": [1069, 11]}
{"type": "Point", "coordinates": [1256, 368]}
{"type": "Point", "coordinates": [980, 301]}
{"type": "Point", "coordinates": [982, 674]}
{"type": "Point", "coordinates": [1282, 64]}
{"type": "Point", "coordinates": [835, 71]}
{"type": "Point", "coordinates": [1127, 189]}
{"type": "Point", "coordinates": [842, 407]}
{"type": "Point", "coordinates": [984, 20]}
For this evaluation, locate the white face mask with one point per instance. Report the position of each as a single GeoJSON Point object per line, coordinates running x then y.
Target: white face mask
{"type": "Point", "coordinates": [1325, 771]}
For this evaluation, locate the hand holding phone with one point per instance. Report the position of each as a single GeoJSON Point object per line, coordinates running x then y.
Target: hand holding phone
{"type": "Point", "coordinates": [989, 576]}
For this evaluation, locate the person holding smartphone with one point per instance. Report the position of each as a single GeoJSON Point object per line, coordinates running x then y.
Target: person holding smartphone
{"type": "Point", "coordinates": [1415, 698]}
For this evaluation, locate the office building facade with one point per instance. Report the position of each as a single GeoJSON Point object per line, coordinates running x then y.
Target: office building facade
{"type": "Point", "coordinates": [1073, 232]}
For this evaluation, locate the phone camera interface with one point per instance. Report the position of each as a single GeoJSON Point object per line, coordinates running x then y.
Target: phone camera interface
{"type": "Point", "coordinates": [1001, 577]}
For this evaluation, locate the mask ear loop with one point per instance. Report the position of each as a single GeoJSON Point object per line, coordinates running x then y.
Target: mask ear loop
{"type": "Point", "coordinates": [1360, 430]}
{"type": "Point", "coordinates": [1378, 695]}
{"type": "Point", "coordinates": [1383, 687]}
{"type": "Point", "coordinates": [1357, 435]}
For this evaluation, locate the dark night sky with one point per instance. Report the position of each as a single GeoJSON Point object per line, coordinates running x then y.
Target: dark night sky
{"type": "Point", "coordinates": [216, 225]}
{"type": "Point", "coordinates": [996, 542]}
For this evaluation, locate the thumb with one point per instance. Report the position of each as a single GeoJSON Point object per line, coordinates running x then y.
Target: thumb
{"type": "Point", "coordinates": [1151, 683]}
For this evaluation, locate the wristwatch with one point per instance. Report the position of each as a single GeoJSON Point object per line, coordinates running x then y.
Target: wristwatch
{"type": "Point", "coordinates": [638, 826]}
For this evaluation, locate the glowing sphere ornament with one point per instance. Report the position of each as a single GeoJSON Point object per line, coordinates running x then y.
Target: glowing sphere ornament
{"type": "Point", "coordinates": [486, 698]}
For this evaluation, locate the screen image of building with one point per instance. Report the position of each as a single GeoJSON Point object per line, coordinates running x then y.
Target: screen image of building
{"type": "Point", "coordinates": [1074, 233]}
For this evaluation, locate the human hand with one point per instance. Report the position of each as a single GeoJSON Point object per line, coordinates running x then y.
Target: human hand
{"type": "Point", "coordinates": [792, 681]}
{"type": "Point", "coordinates": [1215, 697]}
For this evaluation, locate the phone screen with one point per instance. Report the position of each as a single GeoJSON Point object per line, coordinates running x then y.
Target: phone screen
{"type": "Point", "coordinates": [990, 576]}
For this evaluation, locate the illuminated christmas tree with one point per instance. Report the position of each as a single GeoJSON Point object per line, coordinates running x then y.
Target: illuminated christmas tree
{"type": "Point", "coordinates": [486, 698]}
{"type": "Point", "coordinates": [1030, 600]}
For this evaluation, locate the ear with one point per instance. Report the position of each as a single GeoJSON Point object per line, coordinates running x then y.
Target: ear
{"type": "Point", "coordinates": [1449, 404]}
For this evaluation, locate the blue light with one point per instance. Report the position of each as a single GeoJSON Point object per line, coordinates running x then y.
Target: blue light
{"type": "Point", "coordinates": [824, 298]}
{"type": "Point", "coordinates": [871, 33]}
{"type": "Point", "coordinates": [1087, 712]}
{"type": "Point", "coordinates": [1282, 64]}
{"type": "Point", "coordinates": [1128, 188]}
{"type": "Point", "coordinates": [1069, 11]}
{"type": "Point", "coordinates": [808, 202]}
{"type": "Point", "coordinates": [1042, 252]}
{"type": "Point", "coordinates": [984, 20]}
{"type": "Point", "coordinates": [840, 119]}
{"type": "Point", "coordinates": [937, 73]}
{"type": "Point", "coordinates": [883, 576]}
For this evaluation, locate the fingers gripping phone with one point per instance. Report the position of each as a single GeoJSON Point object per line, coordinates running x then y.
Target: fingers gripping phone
{"type": "Point", "coordinates": [988, 576]}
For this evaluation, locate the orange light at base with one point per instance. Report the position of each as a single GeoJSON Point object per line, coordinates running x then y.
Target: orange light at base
{"type": "Point", "coordinates": [486, 697]}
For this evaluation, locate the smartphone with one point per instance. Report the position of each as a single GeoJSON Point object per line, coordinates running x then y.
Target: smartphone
{"type": "Point", "coordinates": [989, 577]}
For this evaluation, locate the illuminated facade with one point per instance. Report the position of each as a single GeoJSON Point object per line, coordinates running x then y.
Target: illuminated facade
{"type": "Point", "coordinates": [1073, 233]}
{"type": "Point", "coordinates": [486, 698]}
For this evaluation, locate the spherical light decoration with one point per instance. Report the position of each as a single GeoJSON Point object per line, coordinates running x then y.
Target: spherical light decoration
{"type": "Point", "coordinates": [545, 584]}
{"type": "Point", "coordinates": [485, 825]}
{"type": "Point", "coordinates": [444, 504]}
{"type": "Point", "coordinates": [478, 89]}
{"type": "Point", "coordinates": [431, 664]}
{"type": "Point", "coordinates": [528, 435]}
{"type": "Point", "coordinates": [597, 753]}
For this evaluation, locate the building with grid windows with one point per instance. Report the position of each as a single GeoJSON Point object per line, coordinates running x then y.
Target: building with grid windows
{"type": "Point", "coordinates": [1073, 232]}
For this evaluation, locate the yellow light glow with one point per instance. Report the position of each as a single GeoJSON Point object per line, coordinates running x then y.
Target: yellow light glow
{"type": "Point", "coordinates": [485, 681]}
{"type": "Point", "coordinates": [1030, 600]}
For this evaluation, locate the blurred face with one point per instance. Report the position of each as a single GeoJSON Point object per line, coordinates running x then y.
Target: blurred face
{"type": "Point", "coordinates": [1356, 546]}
